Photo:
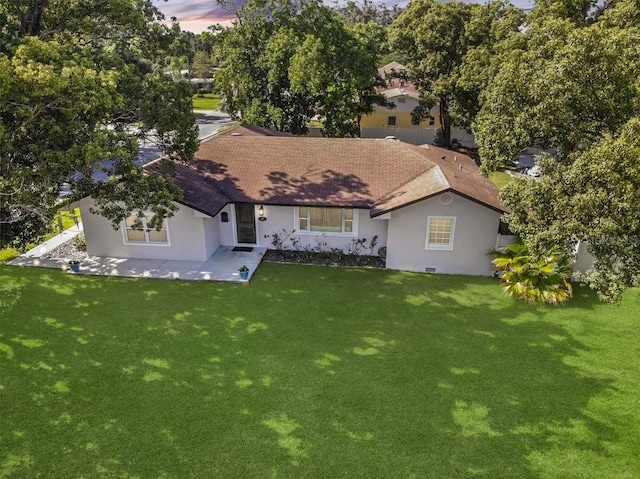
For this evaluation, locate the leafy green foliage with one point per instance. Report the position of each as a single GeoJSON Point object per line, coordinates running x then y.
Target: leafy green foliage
{"type": "Point", "coordinates": [282, 63]}
{"type": "Point", "coordinates": [202, 65]}
{"type": "Point", "coordinates": [7, 254]}
{"type": "Point", "coordinates": [451, 49]}
{"type": "Point", "coordinates": [572, 86]}
{"type": "Point", "coordinates": [365, 11]}
{"type": "Point", "coordinates": [81, 87]}
{"type": "Point", "coordinates": [537, 280]}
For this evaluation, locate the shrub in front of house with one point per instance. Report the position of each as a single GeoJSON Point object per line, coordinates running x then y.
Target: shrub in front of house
{"type": "Point", "coordinates": [537, 280]}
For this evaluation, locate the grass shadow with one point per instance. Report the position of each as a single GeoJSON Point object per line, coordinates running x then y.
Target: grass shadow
{"type": "Point", "coordinates": [312, 371]}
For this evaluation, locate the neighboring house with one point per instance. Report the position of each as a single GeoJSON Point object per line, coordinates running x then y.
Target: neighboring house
{"type": "Point", "coordinates": [428, 206]}
{"type": "Point", "coordinates": [397, 122]}
{"type": "Point", "coordinates": [197, 84]}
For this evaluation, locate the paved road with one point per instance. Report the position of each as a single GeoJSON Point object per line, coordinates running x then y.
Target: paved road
{"type": "Point", "coordinates": [208, 121]}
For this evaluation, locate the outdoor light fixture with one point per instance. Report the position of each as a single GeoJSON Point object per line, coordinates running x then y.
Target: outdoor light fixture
{"type": "Point", "coordinates": [261, 216]}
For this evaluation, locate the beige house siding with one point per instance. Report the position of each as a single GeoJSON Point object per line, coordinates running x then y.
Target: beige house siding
{"type": "Point", "coordinates": [475, 233]}
{"type": "Point", "coordinates": [375, 125]}
{"type": "Point", "coordinates": [186, 229]}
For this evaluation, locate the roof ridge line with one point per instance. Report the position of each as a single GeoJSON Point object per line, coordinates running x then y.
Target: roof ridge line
{"type": "Point", "coordinates": [423, 172]}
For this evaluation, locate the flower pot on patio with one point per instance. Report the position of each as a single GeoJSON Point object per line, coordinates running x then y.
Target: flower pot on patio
{"type": "Point", "coordinates": [74, 265]}
{"type": "Point", "coordinates": [244, 272]}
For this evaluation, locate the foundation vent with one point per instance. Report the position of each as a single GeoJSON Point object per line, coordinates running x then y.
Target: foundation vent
{"type": "Point", "coordinates": [429, 270]}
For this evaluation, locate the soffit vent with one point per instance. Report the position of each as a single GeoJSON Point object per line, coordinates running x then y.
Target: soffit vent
{"type": "Point", "coordinates": [445, 199]}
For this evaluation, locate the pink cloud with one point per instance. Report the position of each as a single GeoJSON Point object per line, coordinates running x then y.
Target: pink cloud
{"type": "Point", "coordinates": [195, 15]}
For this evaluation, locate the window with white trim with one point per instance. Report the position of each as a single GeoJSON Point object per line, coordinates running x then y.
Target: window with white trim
{"type": "Point", "coordinates": [137, 231]}
{"type": "Point", "coordinates": [440, 232]}
{"type": "Point", "coordinates": [327, 220]}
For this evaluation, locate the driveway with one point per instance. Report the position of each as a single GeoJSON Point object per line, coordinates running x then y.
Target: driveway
{"type": "Point", "coordinates": [210, 121]}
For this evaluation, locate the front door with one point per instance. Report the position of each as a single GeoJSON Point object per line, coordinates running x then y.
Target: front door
{"type": "Point", "coordinates": [245, 223]}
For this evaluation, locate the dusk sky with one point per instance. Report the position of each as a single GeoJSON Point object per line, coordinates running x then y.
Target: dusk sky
{"type": "Point", "coordinates": [197, 15]}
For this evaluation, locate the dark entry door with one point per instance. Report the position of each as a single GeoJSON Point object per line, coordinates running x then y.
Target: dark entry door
{"type": "Point", "coordinates": [245, 223]}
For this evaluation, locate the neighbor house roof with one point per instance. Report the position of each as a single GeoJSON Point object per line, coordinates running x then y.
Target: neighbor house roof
{"type": "Point", "coordinates": [394, 83]}
{"type": "Point", "coordinates": [252, 165]}
{"type": "Point", "coordinates": [392, 93]}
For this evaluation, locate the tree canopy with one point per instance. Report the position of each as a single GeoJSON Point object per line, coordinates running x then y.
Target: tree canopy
{"type": "Point", "coordinates": [573, 87]}
{"type": "Point", "coordinates": [451, 49]}
{"type": "Point", "coordinates": [81, 87]}
{"type": "Point", "coordinates": [282, 63]}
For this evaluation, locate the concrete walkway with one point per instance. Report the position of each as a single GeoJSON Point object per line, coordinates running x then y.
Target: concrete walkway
{"type": "Point", "coordinates": [221, 266]}
{"type": "Point", "coordinates": [44, 248]}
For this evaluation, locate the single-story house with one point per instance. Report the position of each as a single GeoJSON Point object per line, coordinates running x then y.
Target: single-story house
{"type": "Point", "coordinates": [429, 207]}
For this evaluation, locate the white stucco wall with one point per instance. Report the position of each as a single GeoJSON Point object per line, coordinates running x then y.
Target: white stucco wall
{"type": "Point", "coordinates": [475, 233]}
{"type": "Point", "coordinates": [186, 229]}
{"type": "Point", "coordinates": [227, 230]}
{"type": "Point", "coordinates": [211, 234]}
{"type": "Point", "coordinates": [281, 218]}
{"type": "Point", "coordinates": [584, 260]}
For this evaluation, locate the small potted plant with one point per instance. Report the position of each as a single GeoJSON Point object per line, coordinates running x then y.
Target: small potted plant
{"type": "Point", "coordinates": [244, 272]}
{"type": "Point", "coordinates": [74, 265]}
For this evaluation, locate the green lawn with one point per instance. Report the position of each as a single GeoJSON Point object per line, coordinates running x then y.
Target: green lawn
{"type": "Point", "coordinates": [312, 372]}
{"type": "Point", "coordinates": [209, 102]}
{"type": "Point", "coordinates": [500, 178]}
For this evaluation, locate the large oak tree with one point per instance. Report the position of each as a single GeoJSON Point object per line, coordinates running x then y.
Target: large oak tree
{"type": "Point", "coordinates": [81, 87]}
{"type": "Point", "coordinates": [282, 63]}
{"type": "Point", "coordinates": [573, 87]}
{"type": "Point", "coordinates": [451, 50]}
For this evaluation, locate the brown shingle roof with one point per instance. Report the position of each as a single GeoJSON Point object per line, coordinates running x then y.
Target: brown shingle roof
{"type": "Point", "coordinates": [243, 129]}
{"type": "Point", "coordinates": [383, 175]}
{"type": "Point", "coordinates": [451, 171]}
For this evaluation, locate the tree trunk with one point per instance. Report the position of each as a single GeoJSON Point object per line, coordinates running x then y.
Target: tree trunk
{"type": "Point", "coordinates": [31, 18]}
{"type": "Point", "coordinates": [445, 127]}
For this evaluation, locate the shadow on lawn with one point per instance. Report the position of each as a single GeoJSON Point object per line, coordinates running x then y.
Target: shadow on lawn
{"type": "Point", "coordinates": [309, 371]}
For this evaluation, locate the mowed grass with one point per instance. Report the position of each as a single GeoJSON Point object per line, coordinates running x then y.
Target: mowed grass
{"type": "Point", "coordinates": [500, 178]}
{"type": "Point", "coordinates": [312, 372]}
{"type": "Point", "coordinates": [208, 102]}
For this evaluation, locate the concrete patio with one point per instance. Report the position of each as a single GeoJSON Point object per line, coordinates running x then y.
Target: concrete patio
{"type": "Point", "coordinates": [221, 266]}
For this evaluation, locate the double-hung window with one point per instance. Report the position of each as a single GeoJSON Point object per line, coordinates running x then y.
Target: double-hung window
{"type": "Point", "coordinates": [440, 231]}
{"type": "Point", "coordinates": [327, 220]}
{"type": "Point", "coordinates": [136, 230]}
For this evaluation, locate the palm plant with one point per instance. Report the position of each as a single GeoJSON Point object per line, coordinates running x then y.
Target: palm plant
{"type": "Point", "coordinates": [537, 280]}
